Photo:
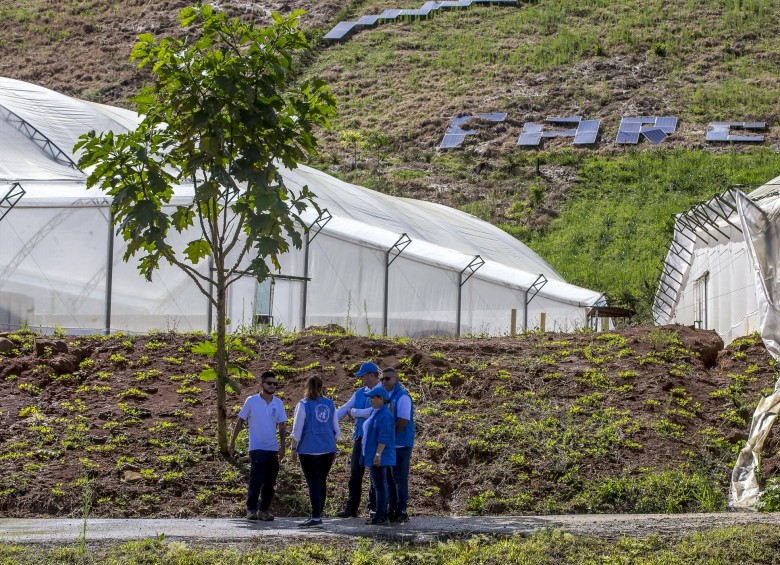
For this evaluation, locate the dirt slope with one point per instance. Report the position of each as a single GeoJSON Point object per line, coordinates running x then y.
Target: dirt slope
{"type": "Point", "coordinates": [641, 420]}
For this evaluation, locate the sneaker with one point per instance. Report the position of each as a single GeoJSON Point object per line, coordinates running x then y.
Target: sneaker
{"type": "Point", "coordinates": [265, 516]}
{"type": "Point", "coordinates": [402, 518]}
{"type": "Point", "coordinates": [311, 523]}
{"type": "Point", "coordinates": [347, 513]}
{"type": "Point", "coordinates": [251, 515]}
{"type": "Point", "coordinates": [371, 514]}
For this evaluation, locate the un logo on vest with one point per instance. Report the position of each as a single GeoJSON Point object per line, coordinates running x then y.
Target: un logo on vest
{"type": "Point", "coordinates": [322, 413]}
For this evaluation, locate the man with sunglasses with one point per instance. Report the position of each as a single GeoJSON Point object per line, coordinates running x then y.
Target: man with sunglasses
{"type": "Point", "coordinates": [263, 413]}
{"type": "Point", "coordinates": [403, 410]}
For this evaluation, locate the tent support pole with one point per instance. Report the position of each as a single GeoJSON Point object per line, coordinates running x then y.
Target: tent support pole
{"type": "Point", "coordinates": [312, 232]}
{"type": "Point", "coordinates": [109, 268]}
{"type": "Point", "coordinates": [469, 269]}
{"type": "Point", "coordinates": [398, 247]}
{"type": "Point", "coordinates": [525, 310]}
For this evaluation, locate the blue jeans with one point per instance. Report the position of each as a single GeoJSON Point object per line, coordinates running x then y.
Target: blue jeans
{"type": "Point", "coordinates": [262, 479]}
{"type": "Point", "coordinates": [380, 482]}
{"type": "Point", "coordinates": [315, 470]}
{"type": "Point", "coordinates": [399, 481]}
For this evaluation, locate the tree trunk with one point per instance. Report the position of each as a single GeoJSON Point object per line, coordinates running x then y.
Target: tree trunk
{"type": "Point", "coordinates": [222, 362]}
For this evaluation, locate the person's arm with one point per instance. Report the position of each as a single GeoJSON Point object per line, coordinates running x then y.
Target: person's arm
{"type": "Point", "coordinates": [386, 435]}
{"type": "Point", "coordinates": [360, 412]}
{"type": "Point", "coordinates": [404, 413]}
{"type": "Point", "coordinates": [282, 440]}
{"type": "Point", "coordinates": [378, 457]}
{"type": "Point", "coordinates": [336, 428]}
{"type": "Point", "coordinates": [344, 410]}
{"type": "Point", "coordinates": [299, 418]}
{"type": "Point", "coordinates": [236, 430]}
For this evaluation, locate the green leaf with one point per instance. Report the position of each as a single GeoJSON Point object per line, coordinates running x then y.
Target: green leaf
{"type": "Point", "coordinates": [233, 385]}
{"type": "Point", "coordinates": [208, 348]}
{"type": "Point", "coordinates": [197, 250]}
{"type": "Point", "coordinates": [208, 375]}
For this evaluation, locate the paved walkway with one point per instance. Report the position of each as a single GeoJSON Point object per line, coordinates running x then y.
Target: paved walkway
{"type": "Point", "coordinates": [420, 529]}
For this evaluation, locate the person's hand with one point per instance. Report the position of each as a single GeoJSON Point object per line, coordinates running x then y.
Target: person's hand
{"type": "Point", "coordinates": [377, 460]}
{"type": "Point", "coordinates": [281, 453]}
{"type": "Point", "coordinates": [294, 456]}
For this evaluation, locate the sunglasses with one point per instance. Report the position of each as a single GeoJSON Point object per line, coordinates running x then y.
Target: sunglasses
{"type": "Point", "coordinates": [387, 379]}
{"type": "Point", "coordinates": [269, 383]}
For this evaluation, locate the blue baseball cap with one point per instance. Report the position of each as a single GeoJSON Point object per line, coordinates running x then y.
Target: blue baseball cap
{"type": "Point", "coordinates": [367, 368]}
{"type": "Point", "coordinates": [378, 390]}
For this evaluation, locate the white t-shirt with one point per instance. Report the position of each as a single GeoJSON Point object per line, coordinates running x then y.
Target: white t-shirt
{"type": "Point", "coordinates": [261, 420]}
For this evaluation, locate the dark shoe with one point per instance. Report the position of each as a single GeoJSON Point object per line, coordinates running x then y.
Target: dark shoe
{"type": "Point", "coordinates": [347, 513]}
{"type": "Point", "coordinates": [371, 514]}
{"type": "Point", "coordinates": [379, 522]}
{"type": "Point", "coordinates": [311, 523]}
{"type": "Point", "coordinates": [402, 518]}
{"type": "Point", "coordinates": [251, 515]}
{"type": "Point", "coordinates": [265, 516]}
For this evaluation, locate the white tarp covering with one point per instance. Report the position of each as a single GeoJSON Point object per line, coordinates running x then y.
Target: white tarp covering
{"type": "Point", "coordinates": [55, 244]}
{"type": "Point", "coordinates": [721, 272]}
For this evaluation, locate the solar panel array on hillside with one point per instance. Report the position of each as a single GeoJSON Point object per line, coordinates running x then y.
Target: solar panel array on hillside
{"type": "Point", "coordinates": [655, 129]}
{"type": "Point", "coordinates": [585, 133]}
{"type": "Point", "coordinates": [720, 131]}
{"type": "Point", "coordinates": [456, 134]}
{"type": "Point", "coordinates": [342, 30]}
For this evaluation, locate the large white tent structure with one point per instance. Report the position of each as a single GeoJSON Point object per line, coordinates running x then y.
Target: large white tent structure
{"type": "Point", "coordinates": [370, 262]}
{"type": "Point", "coordinates": [721, 273]}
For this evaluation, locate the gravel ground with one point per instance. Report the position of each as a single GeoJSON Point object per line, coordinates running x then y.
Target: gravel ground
{"type": "Point", "coordinates": [54, 531]}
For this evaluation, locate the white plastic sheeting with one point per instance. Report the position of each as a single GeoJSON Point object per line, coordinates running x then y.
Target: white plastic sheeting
{"type": "Point", "coordinates": [55, 243]}
{"type": "Point", "coordinates": [721, 272]}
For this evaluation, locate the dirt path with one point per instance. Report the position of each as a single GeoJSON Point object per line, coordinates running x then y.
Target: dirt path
{"type": "Point", "coordinates": [48, 531]}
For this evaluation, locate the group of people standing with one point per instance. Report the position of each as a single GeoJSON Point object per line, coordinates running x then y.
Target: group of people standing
{"type": "Point", "coordinates": [383, 438]}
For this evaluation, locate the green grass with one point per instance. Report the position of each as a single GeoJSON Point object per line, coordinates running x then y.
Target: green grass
{"type": "Point", "coordinates": [618, 223]}
{"type": "Point", "coordinates": [744, 544]}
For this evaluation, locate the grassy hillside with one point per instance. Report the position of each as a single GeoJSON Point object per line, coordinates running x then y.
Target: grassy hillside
{"type": "Point", "coordinates": [600, 215]}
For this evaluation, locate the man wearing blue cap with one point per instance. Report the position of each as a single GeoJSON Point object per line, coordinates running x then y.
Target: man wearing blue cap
{"type": "Point", "coordinates": [359, 408]}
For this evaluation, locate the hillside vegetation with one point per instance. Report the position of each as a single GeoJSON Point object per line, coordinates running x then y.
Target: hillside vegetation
{"type": "Point", "coordinates": [643, 420]}
{"type": "Point", "coordinates": [600, 215]}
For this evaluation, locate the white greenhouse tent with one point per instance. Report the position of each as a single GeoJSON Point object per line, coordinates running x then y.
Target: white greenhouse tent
{"type": "Point", "coordinates": [720, 273]}
{"type": "Point", "coordinates": [371, 262]}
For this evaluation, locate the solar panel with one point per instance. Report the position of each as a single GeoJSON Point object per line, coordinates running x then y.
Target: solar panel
{"type": "Point", "coordinates": [452, 140]}
{"type": "Point", "coordinates": [719, 131]}
{"type": "Point", "coordinates": [746, 138]}
{"type": "Point", "coordinates": [457, 122]}
{"type": "Point", "coordinates": [531, 135]}
{"type": "Point", "coordinates": [340, 31]}
{"type": "Point", "coordinates": [628, 132]}
{"type": "Point", "coordinates": [389, 14]}
{"type": "Point", "coordinates": [496, 117]}
{"type": "Point", "coordinates": [654, 135]}
{"type": "Point", "coordinates": [564, 120]}
{"type": "Point", "coordinates": [367, 21]}
{"type": "Point", "coordinates": [754, 125]}
{"type": "Point", "coordinates": [587, 132]}
{"type": "Point", "coordinates": [560, 133]}
{"type": "Point", "coordinates": [668, 124]}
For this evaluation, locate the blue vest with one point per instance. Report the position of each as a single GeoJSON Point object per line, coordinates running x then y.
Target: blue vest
{"type": "Point", "coordinates": [404, 438]}
{"type": "Point", "coordinates": [361, 401]}
{"type": "Point", "coordinates": [381, 429]}
{"type": "Point", "coordinates": [318, 435]}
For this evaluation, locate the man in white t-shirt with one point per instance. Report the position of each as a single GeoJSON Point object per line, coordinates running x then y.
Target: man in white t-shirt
{"type": "Point", "coordinates": [263, 413]}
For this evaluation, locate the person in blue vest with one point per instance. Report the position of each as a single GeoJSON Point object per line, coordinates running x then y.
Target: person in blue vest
{"type": "Point", "coordinates": [403, 411]}
{"type": "Point", "coordinates": [359, 408]}
{"type": "Point", "coordinates": [379, 451]}
{"type": "Point", "coordinates": [314, 434]}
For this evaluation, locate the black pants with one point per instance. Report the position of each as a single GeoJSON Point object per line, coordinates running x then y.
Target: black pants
{"type": "Point", "coordinates": [262, 479]}
{"type": "Point", "coordinates": [356, 470]}
{"type": "Point", "coordinates": [315, 470]}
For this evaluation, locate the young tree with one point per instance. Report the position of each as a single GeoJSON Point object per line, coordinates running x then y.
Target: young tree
{"type": "Point", "coordinates": [223, 113]}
